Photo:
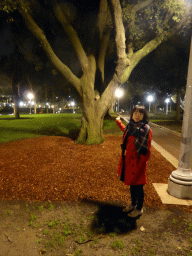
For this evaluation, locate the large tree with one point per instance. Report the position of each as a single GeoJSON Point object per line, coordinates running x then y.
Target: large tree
{"type": "Point", "coordinates": [140, 27]}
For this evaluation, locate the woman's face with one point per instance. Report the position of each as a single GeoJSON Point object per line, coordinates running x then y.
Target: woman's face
{"type": "Point", "coordinates": [137, 116]}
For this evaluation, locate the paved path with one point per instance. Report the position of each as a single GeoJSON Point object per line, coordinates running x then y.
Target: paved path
{"type": "Point", "coordinates": [166, 139]}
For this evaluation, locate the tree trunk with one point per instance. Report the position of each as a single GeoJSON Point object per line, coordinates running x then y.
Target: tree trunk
{"type": "Point", "coordinates": [16, 97]}
{"type": "Point", "coordinates": [111, 109]}
{"type": "Point", "coordinates": [91, 132]}
{"type": "Point", "coordinates": [16, 107]}
{"type": "Point", "coordinates": [92, 120]}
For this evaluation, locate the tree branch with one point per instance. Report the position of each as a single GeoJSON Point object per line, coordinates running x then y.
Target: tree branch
{"type": "Point", "coordinates": [142, 5]}
{"type": "Point", "coordinates": [140, 54]}
{"type": "Point", "coordinates": [57, 63]}
{"type": "Point", "coordinates": [134, 10]}
{"type": "Point", "coordinates": [123, 61]}
{"type": "Point", "coordinates": [102, 17]}
{"type": "Point", "coordinates": [102, 54]}
{"type": "Point", "coordinates": [72, 34]}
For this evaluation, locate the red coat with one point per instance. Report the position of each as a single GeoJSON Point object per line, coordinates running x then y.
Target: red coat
{"type": "Point", "coordinates": [135, 169]}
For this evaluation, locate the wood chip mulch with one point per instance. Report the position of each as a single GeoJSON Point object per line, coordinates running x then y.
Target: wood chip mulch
{"type": "Point", "coordinates": [57, 169]}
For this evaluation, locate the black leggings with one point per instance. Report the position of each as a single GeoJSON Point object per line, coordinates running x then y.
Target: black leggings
{"type": "Point", "coordinates": [137, 195]}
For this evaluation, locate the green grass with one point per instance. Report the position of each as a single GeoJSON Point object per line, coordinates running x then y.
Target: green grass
{"type": "Point", "coordinates": [29, 126]}
{"type": "Point", "coordinates": [67, 125]}
{"type": "Point", "coordinates": [38, 125]}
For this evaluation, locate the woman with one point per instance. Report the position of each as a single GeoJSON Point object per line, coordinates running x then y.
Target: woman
{"type": "Point", "coordinates": [136, 149]}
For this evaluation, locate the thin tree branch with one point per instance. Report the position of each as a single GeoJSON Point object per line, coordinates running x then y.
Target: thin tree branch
{"type": "Point", "coordinates": [39, 34]}
{"type": "Point", "coordinates": [72, 34]}
{"type": "Point", "coordinates": [102, 54]}
{"type": "Point", "coordinates": [142, 5]}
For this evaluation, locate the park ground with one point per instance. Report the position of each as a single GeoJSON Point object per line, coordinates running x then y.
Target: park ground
{"type": "Point", "coordinates": [61, 198]}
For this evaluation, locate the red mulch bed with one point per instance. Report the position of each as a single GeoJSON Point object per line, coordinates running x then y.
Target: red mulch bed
{"type": "Point", "coordinates": [57, 169]}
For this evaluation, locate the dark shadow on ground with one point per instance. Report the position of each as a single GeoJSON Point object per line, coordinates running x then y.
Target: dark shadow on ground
{"type": "Point", "coordinates": [111, 219]}
{"type": "Point", "coordinates": [13, 118]}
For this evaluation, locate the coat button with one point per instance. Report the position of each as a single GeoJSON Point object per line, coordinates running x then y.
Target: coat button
{"type": "Point", "coordinates": [133, 157]}
{"type": "Point", "coordinates": [132, 172]}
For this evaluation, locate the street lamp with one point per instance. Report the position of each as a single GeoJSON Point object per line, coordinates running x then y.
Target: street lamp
{"type": "Point", "coordinates": [150, 99]}
{"type": "Point", "coordinates": [167, 101]}
{"type": "Point", "coordinates": [73, 104]}
{"type": "Point", "coordinates": [30, 96]}
{"type": "Point", "coordinates": [119, 93]}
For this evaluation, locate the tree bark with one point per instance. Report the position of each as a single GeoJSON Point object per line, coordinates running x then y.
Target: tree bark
{"type": "Point", "coordinates": [15, 87]}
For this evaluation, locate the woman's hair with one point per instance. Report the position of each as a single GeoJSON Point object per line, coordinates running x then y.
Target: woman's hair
{"type": "Point", "coordinates": [141, 109]}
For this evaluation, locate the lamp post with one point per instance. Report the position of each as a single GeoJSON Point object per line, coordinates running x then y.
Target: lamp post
{"type": "Point", "coordinates": [73, 104]}
{"type": "Point", "coordinates": [180, 181]}
{"type": "Point", "coordinates": [119, 93]}
{"type": "Point", "coordinates": [150, 99]}
{"type": "Point", "coordinates": [167, 101]}
{"type": "Point", "coordinates": [30, 96]}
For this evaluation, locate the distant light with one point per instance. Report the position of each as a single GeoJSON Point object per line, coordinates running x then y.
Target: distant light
{"type": "Point", "coordinates": [72, 103]}
{"type": "Point", "coordinates": [30, 96]}
{"type": "Point", "coordinates": [119, 93]}
{"type": "Point", "coordinates": [32, 103]}
{"type": "Point", "coordinates": [167, 100]}
{"type": "Point", "coordinates": [150, 98]}
{"type": "Point", "coordinates": [21, 104]}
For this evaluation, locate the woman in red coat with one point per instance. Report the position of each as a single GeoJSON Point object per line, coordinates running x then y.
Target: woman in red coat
{"type": "Point", "coordinates": [136, 149]}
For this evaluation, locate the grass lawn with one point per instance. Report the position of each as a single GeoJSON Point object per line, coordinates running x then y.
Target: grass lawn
{"type": "Point", "coordinates": [37, 125]}
{"type": "Point", "coordinates": [29, 126]}
{"type": "Point", "coordinates": [67, 125]}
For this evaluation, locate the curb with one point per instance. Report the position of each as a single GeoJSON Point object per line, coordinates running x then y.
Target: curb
{"type": "Point", "coordinates": [162, 127]}
{"type": "Point", "coordinates": [174, 161]}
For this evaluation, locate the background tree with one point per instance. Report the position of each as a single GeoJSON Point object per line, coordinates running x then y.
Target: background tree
{"type": "Point", "coordinates": [148, 23]}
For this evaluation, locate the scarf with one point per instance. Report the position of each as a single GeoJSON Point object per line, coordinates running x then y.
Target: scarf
{"type": "Point", "coordinates": [140, 130]}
